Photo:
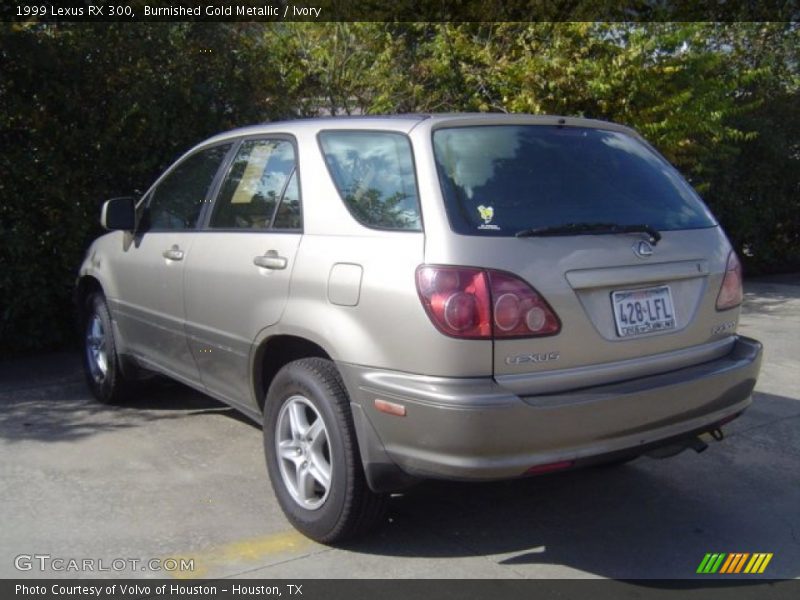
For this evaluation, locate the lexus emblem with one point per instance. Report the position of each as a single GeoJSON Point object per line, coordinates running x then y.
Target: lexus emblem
{"type": "Point", "coordinates": [643, 249]}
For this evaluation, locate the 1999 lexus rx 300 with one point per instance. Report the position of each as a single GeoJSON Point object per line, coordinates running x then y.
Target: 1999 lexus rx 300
{"type": "Point", "coordinates": [468, 297]}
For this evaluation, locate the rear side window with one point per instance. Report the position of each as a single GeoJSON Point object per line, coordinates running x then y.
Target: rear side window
{"type": "Point", "coordinates": [498, 180]}
{"type": "Point", "coordinates": [177, 201]}
{"type": "Point", "coordinates": [256, 184]}
{"type": "Point", "coordinates": [374, 173]}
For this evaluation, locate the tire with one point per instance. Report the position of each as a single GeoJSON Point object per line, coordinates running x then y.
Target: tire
{"type": "Point", "coordinates": [100, 360]}
{"type": "Point", "coordinates": [312, 454]}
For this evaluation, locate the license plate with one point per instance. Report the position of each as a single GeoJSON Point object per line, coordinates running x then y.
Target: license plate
{"type": "Point", "coordinates": [637, 312]}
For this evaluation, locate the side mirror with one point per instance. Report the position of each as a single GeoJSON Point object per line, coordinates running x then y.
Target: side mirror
{"type": "Point", "coordinates": [119, 214]}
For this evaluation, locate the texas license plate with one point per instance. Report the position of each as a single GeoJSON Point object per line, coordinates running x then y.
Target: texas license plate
{"type": "Point", "coordinates": [637, 312]}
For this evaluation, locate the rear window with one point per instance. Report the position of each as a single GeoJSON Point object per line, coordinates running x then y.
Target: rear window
{"type": "Point", "coordinates": [374, 173]}
{"type": "Point", "coordinates": [498, 180]}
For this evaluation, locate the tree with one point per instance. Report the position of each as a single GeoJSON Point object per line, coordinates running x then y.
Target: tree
{"type": "Point", "coordinates": [98, 110]}
{"type": "Point", "coordinates": [91, 111]}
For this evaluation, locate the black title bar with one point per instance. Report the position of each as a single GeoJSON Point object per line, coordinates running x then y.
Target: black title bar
{"type": "Point", "coordinates": [744, 588]}
{"type": "Point", "coordinates": [398, 10]}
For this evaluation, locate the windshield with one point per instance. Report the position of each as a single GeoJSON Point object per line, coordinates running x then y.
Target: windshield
{"type": "Point", "coordinates": [500, 180]}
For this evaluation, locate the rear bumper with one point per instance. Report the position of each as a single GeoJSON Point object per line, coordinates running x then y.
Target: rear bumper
{"type": "Point", "coordinates": [475, 429]}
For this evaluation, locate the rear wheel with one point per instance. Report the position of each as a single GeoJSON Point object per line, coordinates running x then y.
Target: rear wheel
{"type": "Point", "coordinates": [100, 360]}
{"type": "Point", "coordinates": [312, 454]}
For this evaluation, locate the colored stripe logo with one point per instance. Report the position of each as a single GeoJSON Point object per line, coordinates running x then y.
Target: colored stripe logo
{"type": "Point", "coordinates": [734, 562]}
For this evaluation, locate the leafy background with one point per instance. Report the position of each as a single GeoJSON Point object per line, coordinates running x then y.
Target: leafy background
{"type": "Point", "coordinates": [91, 111]}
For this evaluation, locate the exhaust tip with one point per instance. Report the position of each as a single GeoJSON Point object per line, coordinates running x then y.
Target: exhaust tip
{"type": "Point", "coordinates": [698, 445]}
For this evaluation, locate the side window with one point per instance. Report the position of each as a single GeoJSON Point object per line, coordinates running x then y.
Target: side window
{"type": "Point", "coordinates": [177, 201]}
{"type": "Point", "coordinates": [255, 185]}
{"type": "Point", "coordinates": [374, 173]}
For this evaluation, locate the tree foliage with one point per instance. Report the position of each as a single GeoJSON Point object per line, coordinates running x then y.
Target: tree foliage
{"type": "Point", "coordinates": [95, 111]}
{"type": "Point", "coordinates": [90, 111]}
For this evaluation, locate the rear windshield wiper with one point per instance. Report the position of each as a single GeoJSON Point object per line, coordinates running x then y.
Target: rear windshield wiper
{"type": "Point", "coordinates": [590, 229]}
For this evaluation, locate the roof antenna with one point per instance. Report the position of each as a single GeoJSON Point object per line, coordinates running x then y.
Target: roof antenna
{"type": "Point", "coordinates": [561, 122]}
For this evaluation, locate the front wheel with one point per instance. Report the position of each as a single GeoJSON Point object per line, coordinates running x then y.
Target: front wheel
{"type": "Point", "coordinates": [312, 454]}
{"type": "Point", "coordinates": [100, 360]}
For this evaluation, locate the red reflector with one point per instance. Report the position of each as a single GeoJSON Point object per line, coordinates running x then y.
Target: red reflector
{"type": "Point", "coordinates": [550, 467]}
{"type": "Point", "coordinates": [390, 408]}
{"type": "Point", "coordinates": [728, 419]}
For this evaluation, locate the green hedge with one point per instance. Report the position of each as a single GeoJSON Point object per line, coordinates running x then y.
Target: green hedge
{"type": "Point", "coordinates": [94, 111]}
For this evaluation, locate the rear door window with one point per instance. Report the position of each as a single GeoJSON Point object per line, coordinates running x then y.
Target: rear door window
{"type": "Point", "coordinates": [498, 180]}
{"type": "Point", "coordinates": [374, 173]}
{"type": "Point", "coordinates": [259, 178]}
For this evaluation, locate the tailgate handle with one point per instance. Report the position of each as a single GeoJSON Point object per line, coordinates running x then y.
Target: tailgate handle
{"type": "Point", "coordinates": [635, 274]}
{"type": "Point", "coordinates": [271, 260]}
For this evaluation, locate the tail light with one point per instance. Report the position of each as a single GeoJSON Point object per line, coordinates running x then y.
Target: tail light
{"type": "Point", "coordinates": [731, 294]}
{"type": "Point", "coordinates": [473, 303]}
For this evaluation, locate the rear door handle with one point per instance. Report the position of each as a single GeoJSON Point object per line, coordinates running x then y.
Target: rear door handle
{"type": "Point", "coordinates": [173, 253]}
{"type": "Point", "coordinates": [271, 260]}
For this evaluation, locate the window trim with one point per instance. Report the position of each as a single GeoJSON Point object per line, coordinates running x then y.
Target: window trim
{"type": "Point", "coordinates": [147, 198]}
{"type": "Point", "coordinates": [355, 217]}
{"type": "Point", "coordinates": [272, 227]}
{"type": "Point", "coordinates": [204, 224]}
